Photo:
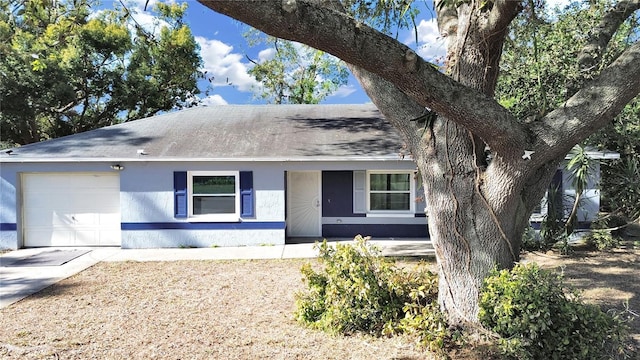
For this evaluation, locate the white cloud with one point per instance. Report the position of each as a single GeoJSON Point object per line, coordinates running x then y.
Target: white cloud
{"type": "Point", "coordinates": [147, 21]}
{"type": "Point", "coordinates": [223, 66]}
{"type": "Point", "coordinates": [142, 17]}
{"type": "Point", "coordinates": [431, 45]}
{"type": "Point", "coordinates": [559, 3]}
{"type": "Point", "coordinates": [344, 91]}
{"type": "Point", "coordinates": [213, 100]}
{"type": "Point", "coordinates": [266, 54]}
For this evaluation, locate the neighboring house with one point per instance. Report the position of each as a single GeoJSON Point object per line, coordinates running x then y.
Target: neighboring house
{"type": "Point", "coordinates": [218, 176]}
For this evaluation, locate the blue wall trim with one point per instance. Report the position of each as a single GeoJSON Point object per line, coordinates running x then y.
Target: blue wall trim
{"type": "Point", "coordinates": [8, 227]}
{"type": "Point", "coordinates": [274, 225]}
{"type": "Point", "coordinates": [375, 230]}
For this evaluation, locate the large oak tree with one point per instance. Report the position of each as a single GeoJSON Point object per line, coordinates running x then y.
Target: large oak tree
{"type": "Point", "coordinates": [477, 209]}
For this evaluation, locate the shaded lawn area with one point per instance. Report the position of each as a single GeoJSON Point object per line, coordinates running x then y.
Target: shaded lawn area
{"type": "Point", "coordinates": [232, 310]}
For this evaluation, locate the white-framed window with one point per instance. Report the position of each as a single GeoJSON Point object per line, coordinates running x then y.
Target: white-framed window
{"type": "Point", "coordinates": [214, 195]}
{"type": "Point", "coordinates": [391, 192]}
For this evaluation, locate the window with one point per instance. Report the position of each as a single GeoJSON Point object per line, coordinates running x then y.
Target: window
{"type": "Point", "coordinates": [551, 204]}
{"type": "Point", "coordinates": [214, 195]}
{"type": "Point", "coordinates": [390, 192]}
{"type": "Point", "coordinates": [540, 211]}
{"type": "Point", "coordinates": [209, 186]}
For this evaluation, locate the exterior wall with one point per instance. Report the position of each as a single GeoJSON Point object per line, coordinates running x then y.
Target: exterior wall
{"type": "Point", "coordinates": [340, 219]}
{"type": "Point", "coordinates": [171, 238]}
{"type": "Point", "coordinates": [589, 204]}
{"type": "Point", "coordinates": [147, 203]}
{"type": "Point", "coordinates": [148, 220]}
{"type": "Point", "coordinates": [8, 210]}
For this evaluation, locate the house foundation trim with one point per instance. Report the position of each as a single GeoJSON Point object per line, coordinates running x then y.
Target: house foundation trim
{"type": "Point", "coordinates": [8, 227]}
{"type": "Point", "coordinates": [252, 225]}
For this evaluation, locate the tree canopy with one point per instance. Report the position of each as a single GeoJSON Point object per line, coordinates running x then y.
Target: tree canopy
{"type": "Point", "coordinates": [535, 80]}
{"type": "Point", "coordinates": [295, 73]}
{"type": "Point", "coordinates": [67, 68]}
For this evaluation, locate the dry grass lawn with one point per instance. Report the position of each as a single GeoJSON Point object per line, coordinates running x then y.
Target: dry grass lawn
{"type": "Point", "coordinates": [229, 310]}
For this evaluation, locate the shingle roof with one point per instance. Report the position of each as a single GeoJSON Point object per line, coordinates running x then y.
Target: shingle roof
{"type": "Point", "coordinates": [260, 132]}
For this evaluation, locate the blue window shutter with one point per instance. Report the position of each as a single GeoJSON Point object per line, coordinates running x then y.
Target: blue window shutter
{"type": "Point", "coordinates": [181, 201]}
{"type": "Point", "coordinates": [246, 194]}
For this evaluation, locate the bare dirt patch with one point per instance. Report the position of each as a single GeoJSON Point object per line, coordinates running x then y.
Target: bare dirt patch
{"type": "Point", "coordinates": [231, 310]}
{"type": "Point", "coordinates": [179, 310]}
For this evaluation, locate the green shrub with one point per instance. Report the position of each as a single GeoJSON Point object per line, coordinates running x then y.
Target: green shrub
{"type": "Point", "coordinates": [424, 320]}
{"type": "Point", "coordinates": [359, 290]}
{"type": "Point", "coordinates": [602, 240]}
{"type": "Point", "coordinates": [530, 240]}
{"type": "Point", "coordinates": [605, 233]}
{"type": "Point", "coordinates": [538, 317]}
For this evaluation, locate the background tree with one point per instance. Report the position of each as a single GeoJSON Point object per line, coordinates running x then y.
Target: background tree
{"type": "Point", "coordinates": [477, 209]}
{"type": "Point", "coordinates": [620, 185]}
{"type": "Point", "coordinates": [65, 70]}
{"type": "Point", "coordinates": [535, 80]}
{"type": "Point", "coordinates": [296, 73]}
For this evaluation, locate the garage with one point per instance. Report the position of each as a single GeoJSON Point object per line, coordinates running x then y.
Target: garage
{"type": "Point", "coordinates": [70, 209]}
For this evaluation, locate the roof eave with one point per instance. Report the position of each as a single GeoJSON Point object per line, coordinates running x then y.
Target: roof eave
{"type": "Point", "coordinates": [16, 159]}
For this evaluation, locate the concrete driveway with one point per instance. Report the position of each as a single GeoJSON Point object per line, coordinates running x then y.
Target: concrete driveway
{"type": "Point", "coordinates": [18, 282]}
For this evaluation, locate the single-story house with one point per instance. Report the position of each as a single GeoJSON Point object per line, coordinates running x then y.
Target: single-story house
{"type": "Point", "coordinates": [218, 176]}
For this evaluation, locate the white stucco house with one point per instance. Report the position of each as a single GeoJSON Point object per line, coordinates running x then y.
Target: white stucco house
{"type": "Point", "coordinates": [220, 176]}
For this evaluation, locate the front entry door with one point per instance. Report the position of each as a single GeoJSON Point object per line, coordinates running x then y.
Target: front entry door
{"type": "Point", "coordinates": [303, 203]}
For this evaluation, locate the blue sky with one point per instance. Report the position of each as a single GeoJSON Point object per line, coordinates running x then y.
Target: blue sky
{"type": "Point", "coordinates": [224, 51]}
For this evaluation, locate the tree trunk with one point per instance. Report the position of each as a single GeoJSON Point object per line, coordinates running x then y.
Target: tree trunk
{"type": "Point", "coordinates": [477, 211]}
{"type": "Point", "coordinates": [472, 230]}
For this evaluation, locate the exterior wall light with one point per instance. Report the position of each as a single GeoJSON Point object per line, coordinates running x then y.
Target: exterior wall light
{"type": "Point", "coordinates": [117, 167]}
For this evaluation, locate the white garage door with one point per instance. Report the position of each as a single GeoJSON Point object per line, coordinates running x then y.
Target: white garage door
{"type": "Point", "coordinates": [78, 209]}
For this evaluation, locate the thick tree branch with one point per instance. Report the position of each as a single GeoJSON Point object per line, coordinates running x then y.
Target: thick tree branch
{"type": "Point", "coordinates": [360, 45]}
{"type": "Point", "coordinates": [591, 108]}
{"type": "Point", "coordinates": [591, 54]}
{"type": "Point", "coordinates": [501, 15]}
{"type": "Point", "coordinates": [396, 107]}
{"type": "Point", "coordinates": [447, 19]}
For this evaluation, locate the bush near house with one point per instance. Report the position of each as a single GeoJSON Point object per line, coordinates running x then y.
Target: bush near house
{"type": "Point", "coordinates": [538, 317]}
{"type": "Point", "coordinates": [358, 290]}
{"type": "Point", "coordinates": [606, 232]}
{"type": "Point", "coordinates": [532, 312]}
